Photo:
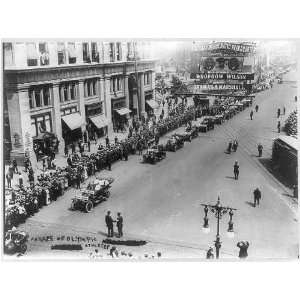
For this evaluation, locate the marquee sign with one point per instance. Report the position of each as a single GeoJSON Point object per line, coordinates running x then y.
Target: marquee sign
{"type": "Point", "coordinates": [216, 87]}
{"type": "Point", "coordinates": [224, 76]}
{"type": "Point", "coordinates": [236, 47]}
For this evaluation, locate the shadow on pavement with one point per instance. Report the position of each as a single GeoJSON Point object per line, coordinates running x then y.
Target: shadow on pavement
{"type": "Point", "coordinates": [230, 177]}
{"type": "Point", "coordinates": [267, 163]}
{"type": "Point", "coordinates": [250, 203]}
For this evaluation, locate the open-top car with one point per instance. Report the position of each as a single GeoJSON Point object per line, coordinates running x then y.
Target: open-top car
{"type": "Point", "coordinates": [186, 136]}
{"type": "Point", "coordinates": [194, 131]}
{"type": "Point", "coordinates": [154, 154]}
{"type": "Point", "coordinates": [15, 242]}
{"type": "Point", "coordinates": [209, 122]}
{"type": "Point", "coordinates": [95, 192]}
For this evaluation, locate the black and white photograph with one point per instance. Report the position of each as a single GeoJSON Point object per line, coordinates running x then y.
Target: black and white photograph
{"type": "Point", "coordinates": [150, 150]}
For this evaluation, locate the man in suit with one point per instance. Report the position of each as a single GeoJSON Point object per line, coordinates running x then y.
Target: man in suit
{"type": "Point", "coordinates": [109, 224]}
{"type": "Point", "coordinates": [257, 196]}
{"type": "Point", "coordinates": [120, 225]}
{"type": "Point", "coordinates": [243, 253]}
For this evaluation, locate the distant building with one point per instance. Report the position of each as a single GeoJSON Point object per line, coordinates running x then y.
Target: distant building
{"type": "Point", "coordinates": [73, 89]}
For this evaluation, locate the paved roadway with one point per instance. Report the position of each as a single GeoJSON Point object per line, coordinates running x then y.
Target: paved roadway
{"type": "Point", "coordinates": [162, 202]}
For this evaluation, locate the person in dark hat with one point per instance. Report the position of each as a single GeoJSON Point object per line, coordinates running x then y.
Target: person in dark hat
{"type": "Point", "coordinates": [257, 196]}
{"type": "Point", "coordinates": [15, 166]}
{"type": "Point", "coordinates": [251, 115]}
{"type": "Point", "coordinates": [120, 225]}
{"type": "Point", "coordinates": [210, 253]}
{"type": "Point", "coordinates": [8, 178]}
{"type": "Point", "coordinates": [260, 149]}
{"type": "Point", "coordinates": [108, 161]}
{"type": "Point", "coordinates": [109, 224]}
{"type": "Point", "coordinates": [256, 108]}
{"type": "Point", "coordinates": [107, 141]}
{"type": "Point", "coordinates": [236, 170]}
{"type": "Point", "coordinates": [243, 253]}
{"type": "Point", "coordinates": [278, 126]}
{"type": "Point", "coordinates": [278, 112]}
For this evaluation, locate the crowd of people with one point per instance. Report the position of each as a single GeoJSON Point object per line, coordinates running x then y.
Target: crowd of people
{"type": "Point", "coordinates": [25, 201]}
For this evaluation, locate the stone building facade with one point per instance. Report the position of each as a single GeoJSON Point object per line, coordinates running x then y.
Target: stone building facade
{"type": "Point", "coordinates": [73, 89]}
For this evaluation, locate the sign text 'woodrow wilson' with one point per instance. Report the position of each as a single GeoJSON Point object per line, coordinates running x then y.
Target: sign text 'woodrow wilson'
{"type": "Point", "coordinates": [225, 76]}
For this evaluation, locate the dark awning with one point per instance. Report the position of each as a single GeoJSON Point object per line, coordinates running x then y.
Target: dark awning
{"type": "Point", "coordinates": [123, 111]}
{"type": "Point", "coordinates": [99, 121]}
{"type": "Point", "coordinates": [73, 121]}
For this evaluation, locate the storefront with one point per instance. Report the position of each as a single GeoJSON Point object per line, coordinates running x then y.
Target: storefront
{"type": "Point", "coordinates": [71, 127]}
{"type": "Point", "coordinates": [151, 105]}
{"type": "Point", "coordinates": [97, 126]}
{"type": "Point", "coordinates": [96, 120]}
{"type": "Point", "coordinates": [120, 113]}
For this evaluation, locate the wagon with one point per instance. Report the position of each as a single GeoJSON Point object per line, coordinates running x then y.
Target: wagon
{"type": "Point", "coordinates": [150, 157]}
{"type": "Point", "coordinates": [96, 192]}
{"type": "Point", "coordinates": [193, 131]}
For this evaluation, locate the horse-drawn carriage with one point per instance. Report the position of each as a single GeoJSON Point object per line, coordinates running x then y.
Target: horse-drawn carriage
{"type": "Point", "coordinates": [95, 192]}
{"type": "Point", "coordinates": [193, 131]}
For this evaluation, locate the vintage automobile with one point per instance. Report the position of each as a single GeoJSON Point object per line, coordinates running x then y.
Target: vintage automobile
{"type": "Point", "coordinates": [15, 241]}
{"type": "Point", "coordinates": [154, 154]}
{"type": "Point", "coordinates": [209, 122]}
{"type": "Point", "coordinates": [193, 131]}
{"type": "Point", "coordinates": [186, 136]}
{"type": "Point", "coordinates": [95, 192]}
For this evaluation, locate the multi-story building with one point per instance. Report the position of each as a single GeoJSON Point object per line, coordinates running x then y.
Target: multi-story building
{"type": "Point", "coordinates": [73, 89]}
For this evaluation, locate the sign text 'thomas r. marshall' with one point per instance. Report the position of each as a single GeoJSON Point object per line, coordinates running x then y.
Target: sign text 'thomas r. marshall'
{"type": "Point", "coordinates": [234, 87]}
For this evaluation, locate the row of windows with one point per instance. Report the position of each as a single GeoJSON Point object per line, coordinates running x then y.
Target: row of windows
{"type": "Point", "coordinates": [68, 91]}
{"type": "Point", "coordinates": [38, 53]}
{"type": "Point", "coordinates": [147, 78]}
{"type": "Point", "coordinates": [39, 96]}
{"type": "Point", "coordinates": [116, 84]}
{"type": "Point", "coordinates": [40, 124]}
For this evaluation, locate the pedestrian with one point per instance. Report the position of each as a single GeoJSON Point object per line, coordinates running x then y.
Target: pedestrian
{"type": "Point", "coordinates": [109, 224]}
{"type": "Point", "coordinates": [235, 145]}
{"type": "Point", "coordinates": [125, 153]}
{"type": "Point", "coordinates": [236, 170]}
{"type": "Point", "coordinates": [210, 254]}
{"type": "Point", "coordinates": [31, 178]}
{"type": "Point", "coordinates": [15, 166]}
{"type": "Point", "coordinates": [278, 126]}
{"type": "Point", "coordinates": [116, 140]}
{"type": "Point", "coordinates": [243, 253]}
{"type": "Point", "coordinates": [278, 112]}
{"type": "Point", "coordinates": [256, 108]}
{"type": "Point", "coordinates": [108, 161]}
{"type": "Point", "coordinates": [229, 147]}
{"type": "Point", "coordinates": [78, 179]}
{"type": "Point", "coordinates": [251, 115]}
{"type": "Point", "coordinates": [44, 163]}
{"type": "Point", "coordinates": [20, 180]}
{"type": "Point", "coordinates": [260, 149]}
{"type": "Point", "coordinates": [107, 141]}
{"type": "Point", "coordinates": [89, 145]}
{"type": "Point", "coordinates": [8, 178]}
{"type": "Point", "coordinates": [120, 225]}
{"type": "Point", "coordinates": [295, 98]}
{"type": "Point", "coordinates": [284, 110]}
{"type": "Point", "coordinates": [257, 196]}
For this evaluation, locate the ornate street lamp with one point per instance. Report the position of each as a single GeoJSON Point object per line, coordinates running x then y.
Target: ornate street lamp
{"type": "Point", "coordinates": [218, 210]}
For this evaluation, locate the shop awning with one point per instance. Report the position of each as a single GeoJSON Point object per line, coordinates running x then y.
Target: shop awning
{"type": "Point", "coordinates": [73, 121]}
{"type": "Point", "coordinates": [153, 104]}
{"type": "Point", "coordinates": [99, 121]}
{"type": "Point", "coordinates": [123, 111]}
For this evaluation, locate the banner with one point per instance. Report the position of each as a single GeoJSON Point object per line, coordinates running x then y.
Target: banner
{"type": "Point", "coordinates": [233, 87]}
{"type": "Point", "coordinates": [237, 47]}
{"type": "Point", "coordinates": [224, 76]}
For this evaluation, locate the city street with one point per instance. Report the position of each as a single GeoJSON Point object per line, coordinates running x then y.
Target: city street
{"type": "Point", "coordinates": [162, 202]}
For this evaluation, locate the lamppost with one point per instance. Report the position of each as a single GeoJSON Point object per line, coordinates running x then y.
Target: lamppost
{"type": "Point", "coordinates": [219, 211]}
